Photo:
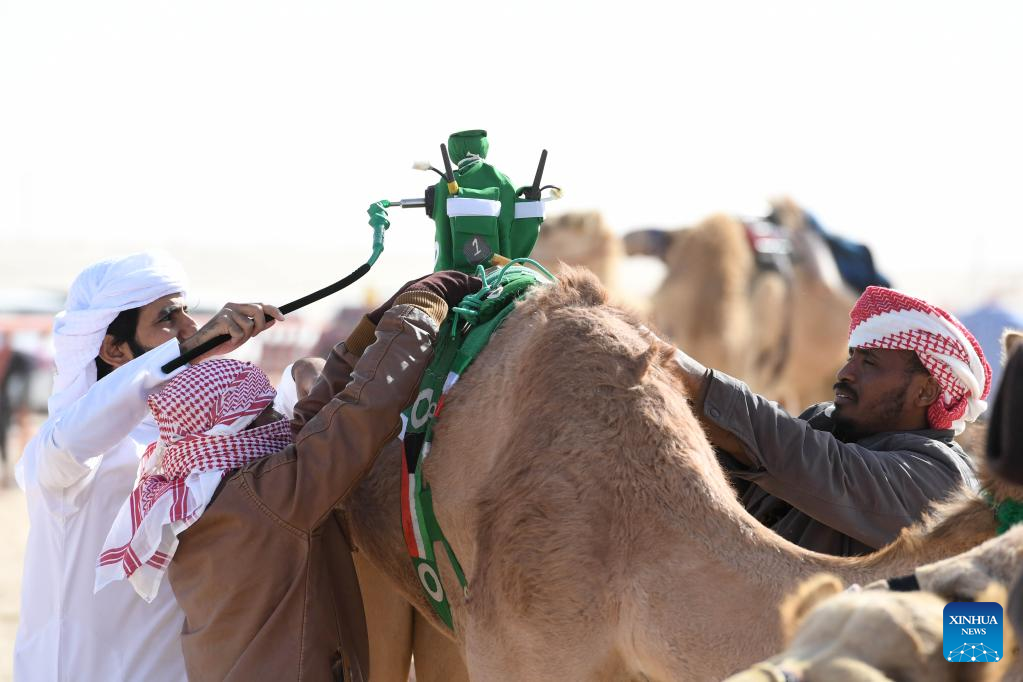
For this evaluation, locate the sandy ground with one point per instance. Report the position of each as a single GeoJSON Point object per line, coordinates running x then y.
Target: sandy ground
{"type": "Point", "coordinates": [14, 521]}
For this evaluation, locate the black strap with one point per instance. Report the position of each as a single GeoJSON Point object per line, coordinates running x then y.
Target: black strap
{"type": "Point", "coordinates": [210, 344]}
{"type": "Point", "coordinates": [906, 583]}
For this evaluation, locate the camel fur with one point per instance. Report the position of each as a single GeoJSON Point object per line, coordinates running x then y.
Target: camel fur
{"type": "Point", "coordinates": [870, 636]}
{"type": "Point", "coordinates": [599, 534]}
{"type": "Point", "coordinates": [581, 239]}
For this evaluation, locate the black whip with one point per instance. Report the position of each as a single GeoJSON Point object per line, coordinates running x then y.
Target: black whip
{"type": "Point", "coordinates": [210, 344]}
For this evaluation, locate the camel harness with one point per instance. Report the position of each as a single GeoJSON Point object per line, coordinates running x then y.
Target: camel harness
{"type": "Point", "coordinates": [461, 338]}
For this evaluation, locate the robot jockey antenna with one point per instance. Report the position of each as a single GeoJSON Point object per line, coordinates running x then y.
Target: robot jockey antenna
{"type": "Point", "coordinates": [477, 211]}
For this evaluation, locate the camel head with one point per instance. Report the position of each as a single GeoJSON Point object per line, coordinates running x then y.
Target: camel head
{"type": "Point", "coordinates": [580, 239]}
{"type": "Point", "coordinates": [866, 636]}
{"type": "Point", "coordinates": [703, 303]}
{"type": "Point", "coordinates": [787, 213]}
{"type": "Point", "coordinates": [780, 329]}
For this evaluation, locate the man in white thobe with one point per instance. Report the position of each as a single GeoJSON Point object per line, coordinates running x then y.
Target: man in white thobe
{"type": "Point", "coordinates": [124, 319]}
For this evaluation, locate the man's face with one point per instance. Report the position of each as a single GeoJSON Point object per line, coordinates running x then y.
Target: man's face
{"type": "Point", "coordinates": [162, 320]}
{"type": "Point", "coordinates": [880, 390]}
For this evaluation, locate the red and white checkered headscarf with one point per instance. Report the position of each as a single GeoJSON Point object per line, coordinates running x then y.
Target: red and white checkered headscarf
{"type": "Point", "coordinates": [884, 318]}
{"type": "Point", "coordinates": [202, 414]}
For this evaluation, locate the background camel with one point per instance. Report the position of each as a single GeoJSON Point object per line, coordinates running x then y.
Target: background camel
{"type": "Point", "coordinates": [599, 534]}
{"type": "Point", "coordinates": [869, 636]}
{"type": "Point", "coordinates": [782, 330]}
{"type": "Point", "coordinates": [581, 239]}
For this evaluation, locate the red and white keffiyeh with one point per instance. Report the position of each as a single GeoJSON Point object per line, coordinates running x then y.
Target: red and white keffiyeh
{"type": "Point", "coordinates": [202, 415]}
{"type": "Point", "coordinates": [884, 318]}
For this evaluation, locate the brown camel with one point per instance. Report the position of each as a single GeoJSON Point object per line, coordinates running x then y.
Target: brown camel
{"type": "Point", "coordinates": [600, 536]}
{"type": "Point", "coordinates": [783, 330]}
{"type": "Point", "coordinates": [580, 239]}
{"type": "Point", "coordinates": [870, 636]}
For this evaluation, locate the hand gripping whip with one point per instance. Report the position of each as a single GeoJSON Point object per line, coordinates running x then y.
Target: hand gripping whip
{"type": "Point", "coordinates": [206, 346]}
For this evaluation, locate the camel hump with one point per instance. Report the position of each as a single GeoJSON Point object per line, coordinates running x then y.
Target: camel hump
{"type": "Point", "coordinates": [576, 287]}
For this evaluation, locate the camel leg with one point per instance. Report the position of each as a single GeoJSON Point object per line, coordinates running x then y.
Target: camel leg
{"type": "Point", "coordinates": [437, 658]}
{"type": "Point", "coordinates": [388, 623]}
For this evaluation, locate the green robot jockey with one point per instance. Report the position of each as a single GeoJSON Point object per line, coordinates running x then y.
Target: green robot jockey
{"type": "Point", "coordinates": [477, 210]}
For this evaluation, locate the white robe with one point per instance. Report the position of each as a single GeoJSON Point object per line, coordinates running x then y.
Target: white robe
{"type": "Point", "coordinates": [77, 472]}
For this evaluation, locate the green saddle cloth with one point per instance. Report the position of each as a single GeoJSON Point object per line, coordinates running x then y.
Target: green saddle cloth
{"type": "Point", "coordinates": [462, 337]}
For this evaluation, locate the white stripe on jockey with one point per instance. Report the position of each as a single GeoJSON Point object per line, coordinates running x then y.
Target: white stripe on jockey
{"type": "Point", "coordinates": [529, 209]}
{"type": "Point", "coordinates": [466, 206]}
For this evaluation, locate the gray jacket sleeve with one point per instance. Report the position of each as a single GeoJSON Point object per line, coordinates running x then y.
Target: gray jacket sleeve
{"type": "Point", "coordinates": [868, 494]}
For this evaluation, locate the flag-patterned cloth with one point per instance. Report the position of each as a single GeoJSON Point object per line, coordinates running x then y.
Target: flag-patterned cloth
{"type": "Point", "coordinates": [459, 342]}
{"type": "Point", "coordinates": [202, 415]}
{"type": "Point", "coordinates": [884, 318]}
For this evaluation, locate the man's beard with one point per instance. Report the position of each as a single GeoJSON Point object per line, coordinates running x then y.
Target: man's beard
{"type": "Point", "coordinates": [136, 348]}
{"type": "Point", "coordinates": [889, 407]}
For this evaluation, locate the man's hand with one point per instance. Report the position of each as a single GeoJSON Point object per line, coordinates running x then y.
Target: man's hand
{"type": "Point", "coordinates": [241, 321]}
{"type": "Point", "coordinates": [305, 372]}
{"type": "Point", "coordinates": [695, 378]}
{"type": "Point", "coordinates": [451, 285]}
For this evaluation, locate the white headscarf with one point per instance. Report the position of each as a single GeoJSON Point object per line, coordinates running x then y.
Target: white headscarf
{"type": "Point", "coordinates": [96, 296]}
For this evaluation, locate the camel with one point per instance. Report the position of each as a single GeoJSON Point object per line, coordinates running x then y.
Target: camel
{"type": "Point", "coordinates": [599, 534]}
{"type": "Point", "coordinates": [783, 330]}
{"type": "Point", "coordinates": [870, 636]}
{"type": "Point", "coordinates": [581, 239]}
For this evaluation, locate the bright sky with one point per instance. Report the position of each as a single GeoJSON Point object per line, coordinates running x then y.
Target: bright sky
{"type": "Point", "coordinates": [249, 136]}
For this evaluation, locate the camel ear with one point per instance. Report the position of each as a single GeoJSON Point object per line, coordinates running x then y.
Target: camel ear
{"type": "Point", "coordinates": [809, 593]}
{"type": "Point", "coordinates": [650, 242]}
{"type": "Point", "coordinates": [785, 212]}
{"type": "Point", "coordinates": [1012, 341]}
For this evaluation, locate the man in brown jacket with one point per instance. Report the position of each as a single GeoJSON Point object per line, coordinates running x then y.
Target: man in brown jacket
{"type": "Point", "coordinates": [845, 477]}
{"type": "Point", "coordinates": [264, 575]}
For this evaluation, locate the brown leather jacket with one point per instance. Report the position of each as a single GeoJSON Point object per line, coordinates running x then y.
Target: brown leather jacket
{"type": "Point", "coordinates": [265, 576]}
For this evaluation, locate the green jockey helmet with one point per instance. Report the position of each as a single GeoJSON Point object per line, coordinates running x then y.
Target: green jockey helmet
{"type": "Point", "coordinates": [466, 142]}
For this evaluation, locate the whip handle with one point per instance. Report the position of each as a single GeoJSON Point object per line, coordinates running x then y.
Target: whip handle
{"type": "Point", "coordinates": [210, 344]}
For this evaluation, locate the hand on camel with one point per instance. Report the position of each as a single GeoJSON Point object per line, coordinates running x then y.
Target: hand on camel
{"type": "Point", "coordinates": [451, 285]}
{"type": "Point", "coordinates": [241, 321]}
{"type": "Point", "coordinates": [305, 372]}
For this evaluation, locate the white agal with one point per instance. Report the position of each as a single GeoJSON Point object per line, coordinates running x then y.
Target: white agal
{"type": "Point", "coordinates": [76, 472]}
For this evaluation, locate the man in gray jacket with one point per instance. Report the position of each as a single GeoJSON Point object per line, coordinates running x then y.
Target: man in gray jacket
{"type": "Point", "coordinates": [845, 477]}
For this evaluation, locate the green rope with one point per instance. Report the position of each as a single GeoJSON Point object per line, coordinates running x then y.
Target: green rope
{"type": "Point", "coordinates": [1007, 512]}
{"type": "Point", "coordinates": [467, 312]}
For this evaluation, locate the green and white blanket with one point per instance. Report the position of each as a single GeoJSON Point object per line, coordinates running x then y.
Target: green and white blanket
{"type": "Point", "coordinates": [462, 337]}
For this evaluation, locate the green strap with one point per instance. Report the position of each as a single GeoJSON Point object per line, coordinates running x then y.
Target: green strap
{"type": "Point", "coordinates": [461, 339]}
